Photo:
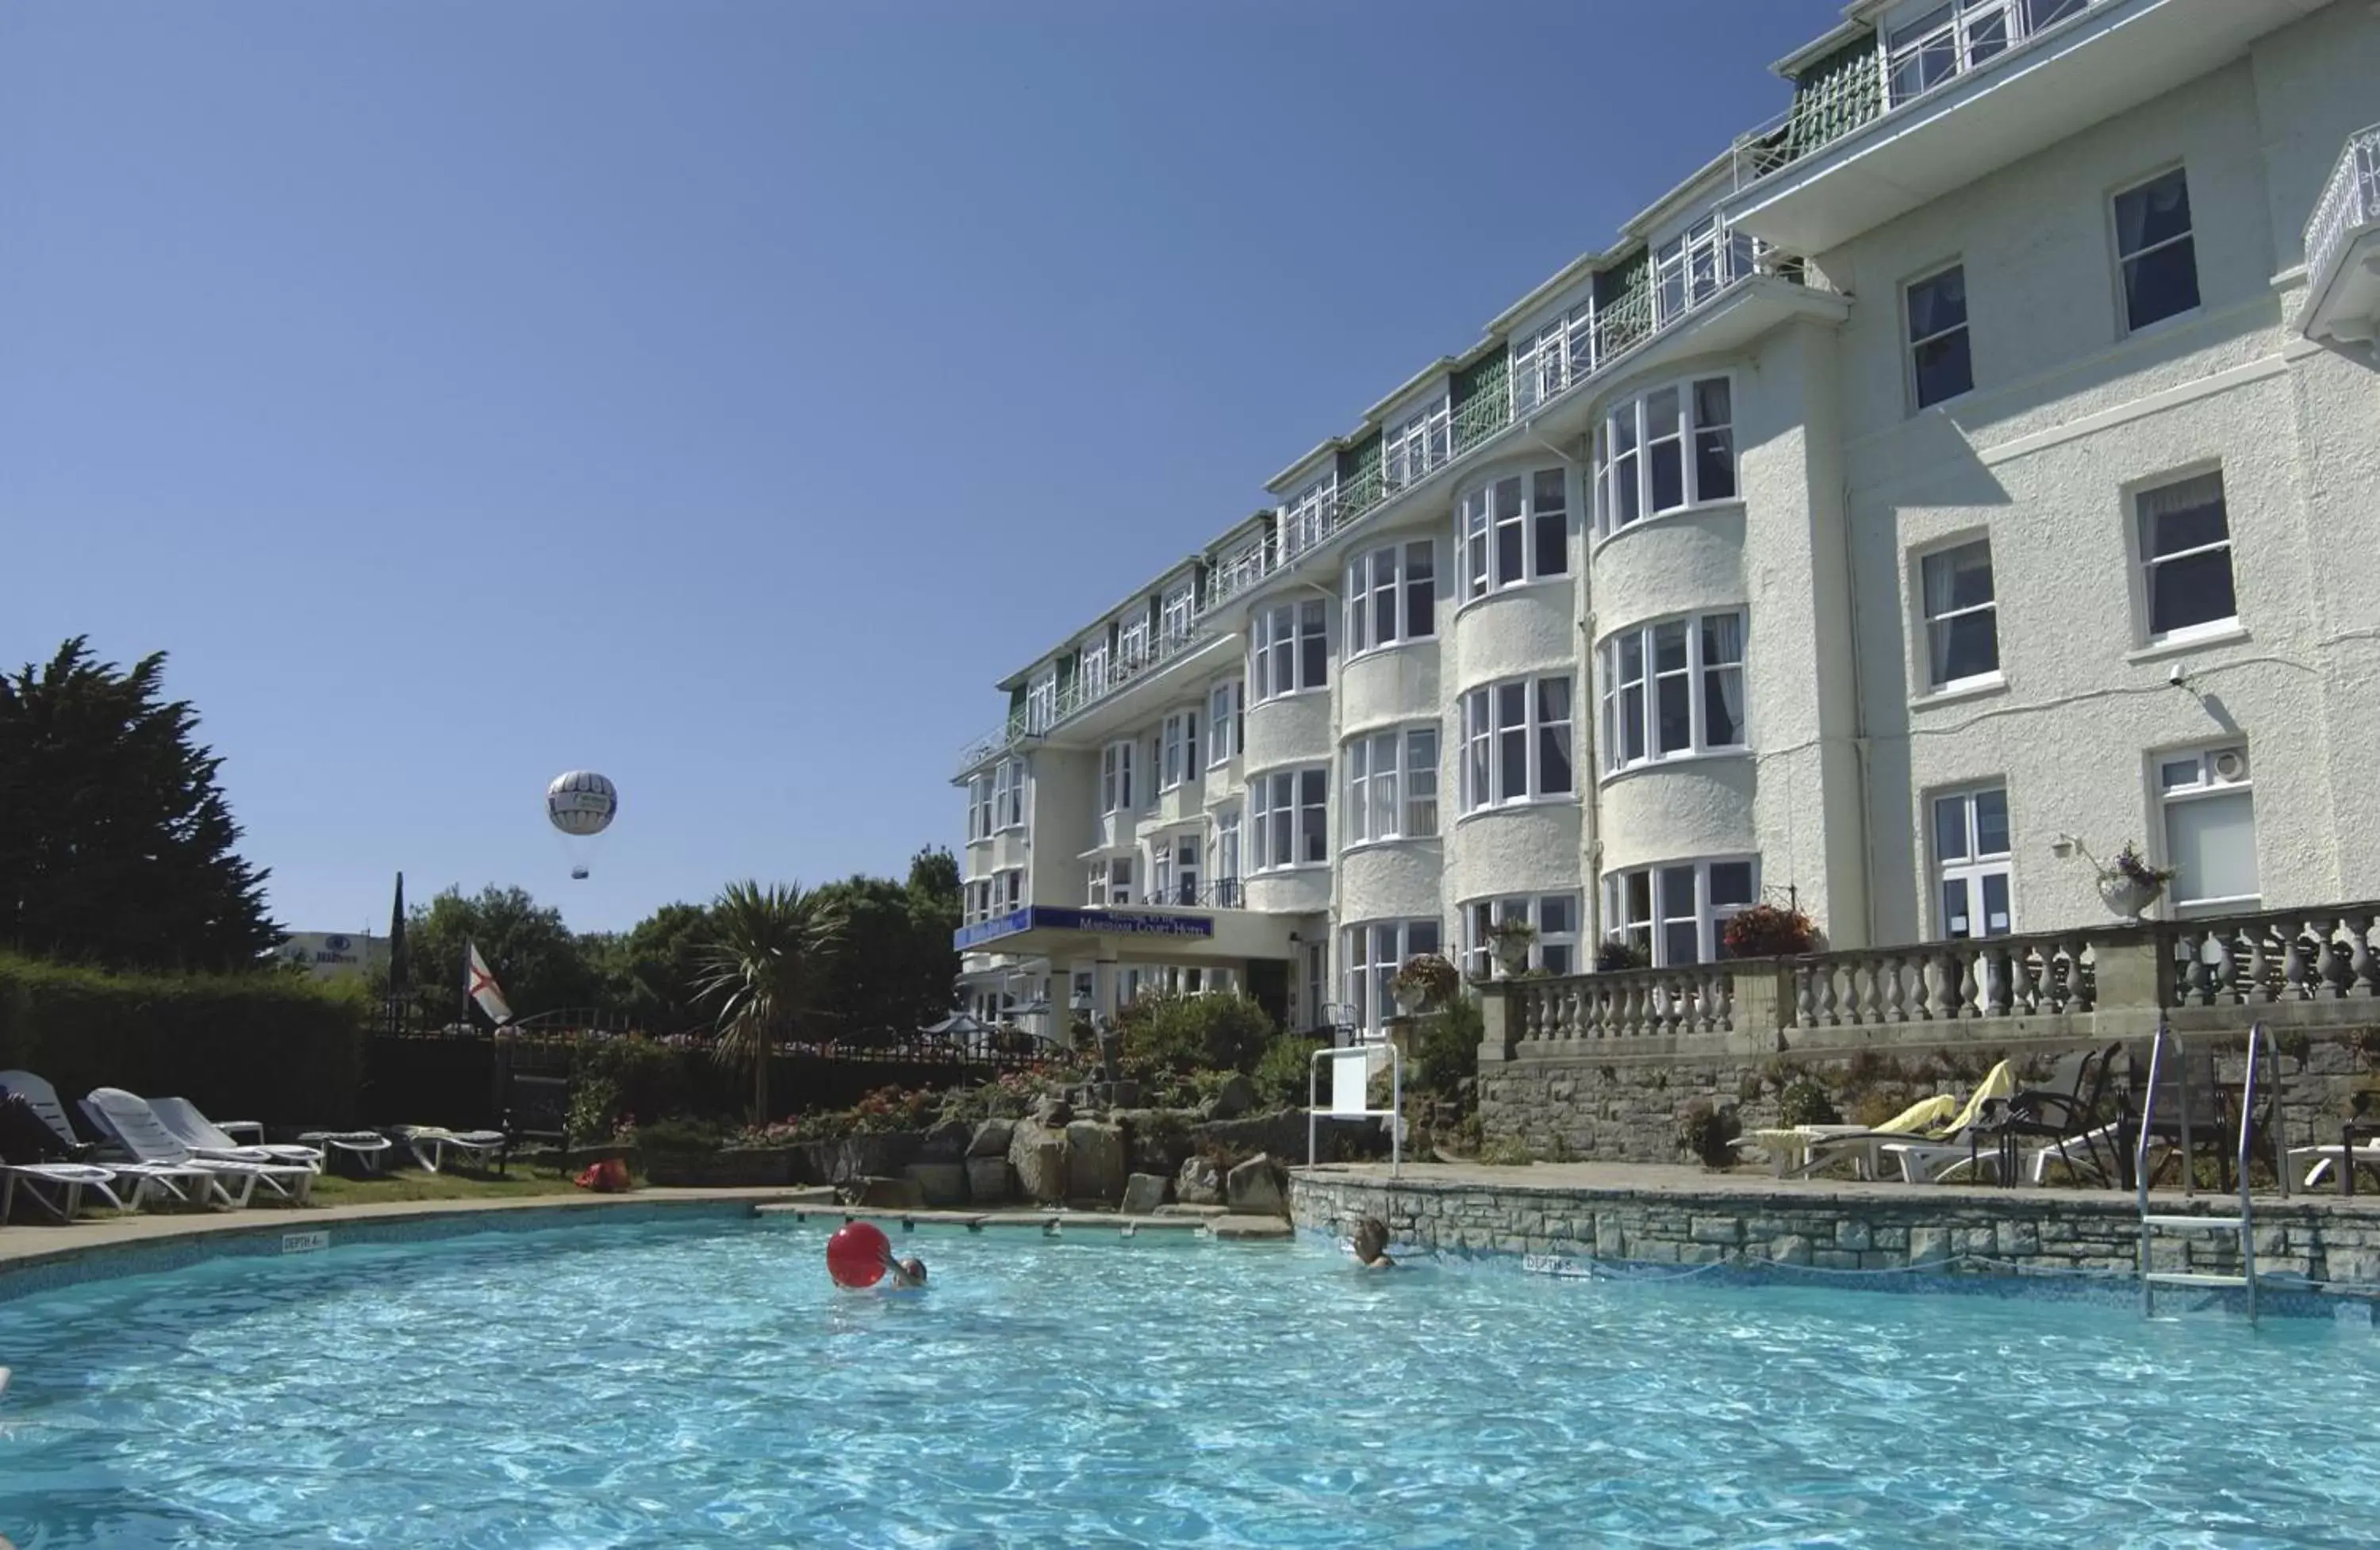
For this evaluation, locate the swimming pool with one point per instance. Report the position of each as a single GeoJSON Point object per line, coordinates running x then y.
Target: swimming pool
{"type": "Point", "coordinates": [701, 1385]}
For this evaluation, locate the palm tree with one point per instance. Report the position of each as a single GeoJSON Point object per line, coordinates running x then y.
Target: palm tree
{"type": "Point", "coordinates": [767, 951]}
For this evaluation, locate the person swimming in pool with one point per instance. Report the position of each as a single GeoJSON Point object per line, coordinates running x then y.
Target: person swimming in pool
{"type": "Point", "coordinates": [908, 1275]}
{"type": "Point", "coordinates": [1372, 1244]}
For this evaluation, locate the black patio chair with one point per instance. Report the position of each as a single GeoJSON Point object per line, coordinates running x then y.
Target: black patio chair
{"type": "Point", "coordinates": [536, 1108]}
{"type": "Point", "coordinates": [2071, 1111]}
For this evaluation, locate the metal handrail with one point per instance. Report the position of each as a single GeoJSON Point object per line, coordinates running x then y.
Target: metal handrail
{"type": "Point", "coordinates": [1394, 1113]}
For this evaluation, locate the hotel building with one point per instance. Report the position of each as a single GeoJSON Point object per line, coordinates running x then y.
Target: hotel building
{"type": "Point", "coordinates": [1953, 480]}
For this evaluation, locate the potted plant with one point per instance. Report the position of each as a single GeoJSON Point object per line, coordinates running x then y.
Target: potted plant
{"type": "Point", "coordinates": [1618, 955]}
{"type": "Point", "coordinates": [2130, 883]}
{"type": "Point", "coordinates": [1424, 981]}
{"type": "Point", "coordinates": [1769, 931]}
{"type": "Point", "coordinates": [1510, 940]}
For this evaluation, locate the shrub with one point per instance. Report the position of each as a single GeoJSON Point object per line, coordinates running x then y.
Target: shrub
{"type": "Point", "coordinates": [1281, 1078]}
{"type": "Point", "coordinates": [1704, 1132]}
{"type": "Point", "coordinates": [594, 1105]}
{"type": "Point", "coordinates": [679, 1135]}
{"type": "Point", "coordinates": [1805, 1102]}
{"type": "Point", "coordinates": [1446, 1052]}
{"type": "Point", "coordinates": [266, 1046]}
{"type": "Point", "coordinates": [1506, 1151]}
{"type": "Point", "coordinates": [1769, 931]}
{"type": "Point", "coordinates": [1175, 1035]}
{"type": "Point", "coordinates": [1618, 955]}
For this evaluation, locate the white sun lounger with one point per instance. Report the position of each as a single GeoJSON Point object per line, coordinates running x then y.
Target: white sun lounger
{"type": "Point", "coordinates": [1933, 1163]}
{"type": "Point", "coordinates": [2330, 1155]}
{"type": "Point", "coordinates": [207, 1139]}
{"type": "Point", "coordinates": [135, 1127]}
{"type": "Point", "coordinates": [367, 1147]}
{"type": "Point", "coordinates": [167, 1178]}
{"type": "Point", "coordinates": [430, 1144]}
{"type": "Point", "coordinates": [68, 1180]}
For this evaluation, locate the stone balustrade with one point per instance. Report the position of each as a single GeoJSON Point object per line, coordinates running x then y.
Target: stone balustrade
{"type": "Point", "coordinates": [1598, 1065]}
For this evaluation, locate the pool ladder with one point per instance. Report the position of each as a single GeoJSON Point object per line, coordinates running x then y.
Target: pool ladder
{"type": "Point", "coordinates": [2167, 1046]}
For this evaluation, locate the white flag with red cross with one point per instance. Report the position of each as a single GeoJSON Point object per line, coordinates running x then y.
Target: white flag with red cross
{"type": "Point", "coordinates": [479, 983]}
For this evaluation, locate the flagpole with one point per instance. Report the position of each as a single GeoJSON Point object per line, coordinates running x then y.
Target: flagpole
{"type": "Point", "coordinates": [468, 947]}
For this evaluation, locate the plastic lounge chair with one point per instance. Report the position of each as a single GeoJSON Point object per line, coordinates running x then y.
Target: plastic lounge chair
{"type": "Point", "coordinates": [134, 1126]}
{"type": "Point", "coordinates": [430, 1144]}
{"type": "Point", "coordinates": [2319, 1160]}
{"type": "Point", "coordinates": [68, 1180]}
{"type": "Point", "coordinates": [366, 1148]}
{"type": "Point", "coordinates": [1940, 1121]}
{"type": "Point", "coordinates": [167, 1178]}
{"type": "Point", "coordinates": [207, 1139]}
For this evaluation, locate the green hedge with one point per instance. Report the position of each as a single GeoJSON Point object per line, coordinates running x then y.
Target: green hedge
{"type": "Point", "coordinates": [268, 1047]}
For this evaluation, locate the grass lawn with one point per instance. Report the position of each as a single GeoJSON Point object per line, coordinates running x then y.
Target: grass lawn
{"type": "Point", "coordinates": [413, 1184]}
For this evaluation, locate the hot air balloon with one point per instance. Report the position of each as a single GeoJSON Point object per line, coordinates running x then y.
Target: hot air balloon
{"type": "Point", "coordinates": [582, 805]}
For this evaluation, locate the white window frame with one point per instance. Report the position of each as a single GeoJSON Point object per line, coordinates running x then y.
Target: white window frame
{"type": "Point", "coordinates": [1961, 33]}
{"type": "Point", "coordinates": [1179, 761]}
{"type": "Point", "coordinates": [1485, 518]}
{"type": "Point", "coordinates": [1008, 890]}
{"type": "Point", "coordinates": [1392, 786]}
{"type": "Point", "coordinates": [2212, 784]}
{"type": "Point", "coordinates": [1225, 861]}
{"type": "Point", "coordinates": [1372, 952]}
{"type": "Point", "coordinates": [1091, 678]}
{"type": "Point", "coordinates": [1650, 935]}
{"type": "Point", "coordinates": [979, 808]}
{"type": "Point", "coordinates": [1041, 702]}
{"type": "Point", "coordinates": [2145, 567]}
{"type": "Point", "coordinates": [2125, 260]}
{"type": "Point", "coordinates": [1007, 795]}
{"type": "Point", "coordinates": [1559, 354]}
{"type": "Point", "coordinates": [1110, 882]}
{"type": "Point", "coordinates": [1115, 779]}
{"type": "Point", "coordinates": [1911, 341]}
{"type": "Point", "coordinates": [1703, 677]}
{"type": "Point", "coordinates": [1418, 445]}
{"type": "Point", "coordinates": [1177, 612]}
{"type": "Point", "coordinates": [1223, 712]}
{"type": "Point", "coordinates": [1132, 646]}
{"type": "Point", "coordinates": [1974, 867]}
{"type": "Point", "coordinates": [1489, 736]}
{"type": "Point", "coordinates": [1700, 424]}
{"type": "Point", "coordinates": [1930, 623]}
{"type": "Point", "coordinates": [978, 901]}
{"type": "Point", "coordinates": [1695, 265]}
{"type": "Point", "coordinates": [1289, 649]}
{"type": "Point", "coordinates": [1304, 519]}
{"type": "Point", "coordinates": [1404, 576]}
{"type": "Point", "coordinates": [1289, 814]}
{"type": "Point", "coordinates": [1480, 915]}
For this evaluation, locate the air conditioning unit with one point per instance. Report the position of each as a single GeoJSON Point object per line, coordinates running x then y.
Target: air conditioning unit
{"type": "Point", "coordinates": [2230, 766]}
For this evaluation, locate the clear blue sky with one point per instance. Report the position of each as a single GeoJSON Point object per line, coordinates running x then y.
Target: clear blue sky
{"type": "Point", "coordinates": [723, 393]}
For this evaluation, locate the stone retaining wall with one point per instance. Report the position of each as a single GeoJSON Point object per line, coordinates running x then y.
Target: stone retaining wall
{"type": "Point", "coordinates": [2323, 1240]}
{"type": "Point", "coordinates": [1624, 1108]}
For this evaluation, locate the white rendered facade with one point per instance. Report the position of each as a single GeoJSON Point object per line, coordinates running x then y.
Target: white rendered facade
{"type": "Point", "coordinates": [1941, 489]}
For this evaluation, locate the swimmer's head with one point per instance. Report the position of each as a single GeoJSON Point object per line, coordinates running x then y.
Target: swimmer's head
{"type": "Point", "coordinates": [914, 1269]}
{"type": "Point", "coordinates": [1371, 1239]}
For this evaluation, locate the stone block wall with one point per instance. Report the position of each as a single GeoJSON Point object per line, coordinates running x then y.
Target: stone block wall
{"type": "Point", "coordinates": [1624, 1108]}
{"type": "Point", "coordinates": [2322, 1239]}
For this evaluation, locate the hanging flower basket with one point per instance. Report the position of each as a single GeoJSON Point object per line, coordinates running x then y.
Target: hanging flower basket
{"type": "Point", "coordinates": [1769, 931]}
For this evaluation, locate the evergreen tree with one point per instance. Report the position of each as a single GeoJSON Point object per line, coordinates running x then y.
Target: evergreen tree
{"type": "Point", "coordinates": [116, 842]}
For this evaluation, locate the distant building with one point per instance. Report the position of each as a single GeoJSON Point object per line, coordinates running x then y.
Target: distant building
{"type": "Point", "coordinates": [333, 954]}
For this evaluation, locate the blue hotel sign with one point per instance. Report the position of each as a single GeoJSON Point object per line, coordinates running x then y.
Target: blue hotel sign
{"type": "Point", "coordinates": [1105, 923]}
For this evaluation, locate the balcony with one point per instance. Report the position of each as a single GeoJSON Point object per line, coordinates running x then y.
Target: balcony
{"type": "Point", "coordinates": [1705, 281]}
{"type": "Point", "coordinates": [1884, 131]}
{"type": "Point", "coordinates": [2342, 248]}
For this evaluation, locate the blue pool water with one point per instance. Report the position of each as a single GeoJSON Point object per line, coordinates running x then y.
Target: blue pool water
{"type": "Point", "coordinates": [693, 1385]}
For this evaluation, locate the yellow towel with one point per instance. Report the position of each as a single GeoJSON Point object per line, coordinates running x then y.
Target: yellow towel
{"type": "Point", "coordinates": [1941, 1115]}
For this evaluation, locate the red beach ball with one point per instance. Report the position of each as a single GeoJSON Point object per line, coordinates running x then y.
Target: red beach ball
{"type": "Point", "coordinates": [855, 1255]}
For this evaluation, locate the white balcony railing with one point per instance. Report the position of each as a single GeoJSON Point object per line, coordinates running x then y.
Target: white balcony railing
{"type": "Point", "coordinates": [1904, 68]}
{"type": "Point", "coordinates": [2350, 201]}
{"type": "Point", "coordinates": [1681, 285]}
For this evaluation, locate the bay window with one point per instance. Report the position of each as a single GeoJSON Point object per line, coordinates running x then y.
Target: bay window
{"type": "Point", "coordinates": [1516, 743]}
{"type": "Point", "coordinates": [1008, 889]}
{"type": "Point", "coordinates": [1555, 917]}
{"type": "Point", "coordinates": [1373, 953]}
{"type": "Point", "coordinates": [1416, 446]}
{"type": "Point", "coordinates": [1672, 689]}
{"type": "Point", "coordinates": [1290, 649]}
{"type": "Point", "coordinates": [1179, 758]}
{"type": "Point", "coordinates": [1393, 596]}
{"type": "Point", "coordinates": [1513, 531]}
{"type": "Point", "coordinates": [1392, 786]}
{"type": "Point", "coordinates": [1224, 722]}
{"type": "Point", "coordinates": [1110, 882]}
{"type": "Point", "coordinates": [1290, 818]}
{"type": "Point", "coordinates": [980, 807]}
{"type": "Point", "coordinates": [1226, 859]}
{"type": "Point", "coordinates": [1664, 450]}
{"type": "Point", "coordinates": [1676, 914]}
{"type": "Point", "coordinates": [1115, 780]}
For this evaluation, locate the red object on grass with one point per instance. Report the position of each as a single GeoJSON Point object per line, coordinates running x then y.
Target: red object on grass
{"type": "Point", "coordinates": [855, 1255]}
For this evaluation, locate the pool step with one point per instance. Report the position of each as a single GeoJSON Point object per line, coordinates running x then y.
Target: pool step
{"type": "Point", "coordinates": [2192, 1278]}
{"type": "Point", "coordinates": [2203, 1224]}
